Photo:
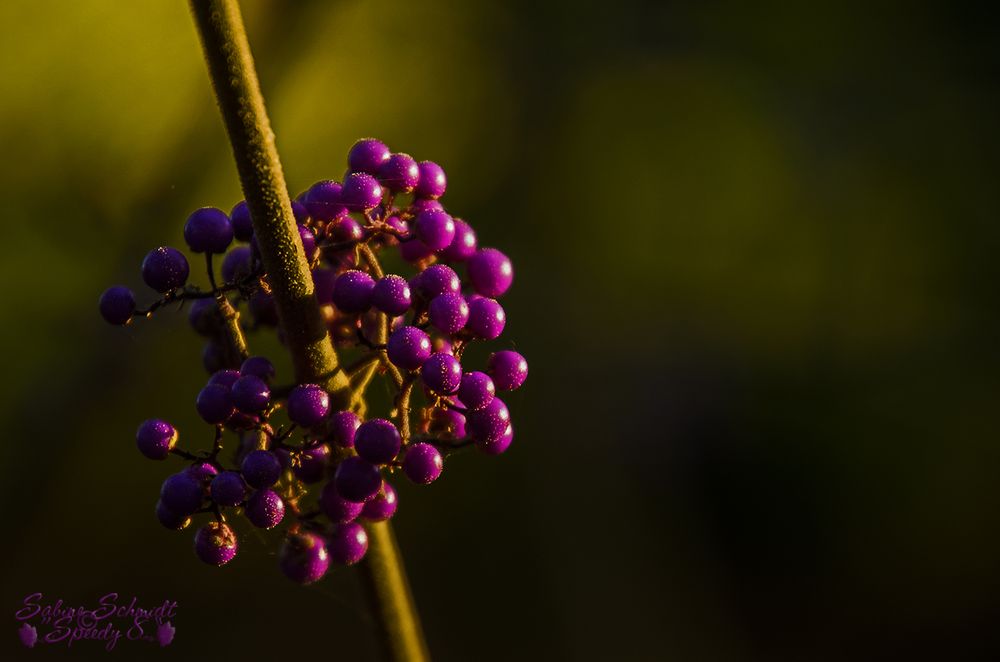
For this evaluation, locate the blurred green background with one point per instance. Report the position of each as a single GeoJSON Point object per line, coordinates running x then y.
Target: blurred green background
{"type": "Point", "coordinates": [755, 249]}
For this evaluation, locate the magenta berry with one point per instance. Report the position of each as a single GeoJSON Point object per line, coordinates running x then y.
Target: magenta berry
{"type": "Point", "coordinates": [308, 240]}
{"type": "Point", "coordinates": [448, 312]}
{"type": "Point", "coordinates": [391, 295]}
{"type": "Point", "coordinates": [400, 173]}
{"type": "Point", "coordinates": [348, 543]}
{"type": "Point", "coordinates": [357, 480]}
{"type": "Point", "coordinates": [215, 543]}
{"type": "Point", "coordinates": [309, 465]}
{"type": "Point", "coordinates": [303, 557]}
{"type": "Point", "coordinates": [436, 280]}
{"type": "Point", "coordinates": [436, 229]}
{"type": "Point", "coordinates": [442, 373]}
{"type": "Point", "coordinates": [265, 509]}
{"type": "Point", "coordinates": [117, 305]}
{"type": "Point", "coordinates": [208, 230]}
{"type": "Point", "coordinates": [308, 404]}
{"type": "Point", "coordinates": [464, 244]}
{"type": "Point", "coordinates": [336, 507]}
{"type": "Point", "coordinates": [155, 439]}
{"type": "Point", "coordinates": [488, 424]}
{"type": "Point", "coordinates": [228, 489]}
{"type": "Point", "coordinates": [490, 272]}
{"type": "Point", "coordinates": [432, 182]}
{"type": "Point", "coordinates": [323, 201]}
{"type": "Point", "coordinates": [476, 390]}
{"type": "Point", "coordinates": [352, 291]}
{"type": "Point", "coordinates": [422, 463]}
{"type": "Point", "coordinates": [377, 441]}
{"type": "Point", "coordinates": [382, 506]}
{"type": "Point", "coordinates": [414, 250]}
{"type": "Point", "coordinates": [486, 318]}
{"type": "Point", "coordinates": [361, 192]}
{"type": "Point", "coordinates": [164, 269]}
{"type": "Point", "coordinates": [250, 394]}
{"type": "Point", "coordinates": [261, 469]}
{"type": "Point", "coordinates": [215, 404]}
{"type": "Point", "coordinates": [498, 446]}
{"type": "Point", "coordinates": [343, 428]}
{"type": "Point", "coordinates": [259, 367]}
{"type": "Point", "coordinates": [508, 369]}
{"type": "Point", "coordinates": [368, 155]}
{"type": "Point", "coordinates": [409, 347]}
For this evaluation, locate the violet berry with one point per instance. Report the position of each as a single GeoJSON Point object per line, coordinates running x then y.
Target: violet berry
{"type": "Point", "coordinates": [490, 272]}
{"type": "Point", "coordinates": [336, 507]}
{"type": "Point", "coordinates": [449, 312]}
{"type": "Point", "coordinates": [215, 543]}
{"type": "Point", "coordinates": [322, 201]}
{"type": "Point", "coordinates": [414, 250]}
{"type": "Point", "coordinates": [486, 318]}
{"type": "Point", "coordinates": [155, 439]}
{"type": "Point", "coordinates": [508, 369]}
{"type": "Point", "coordinates": [498, 446]}
{"type": "Point", "coordinates": [224, 377]}
{"type": "Point", "coordinates": [361, 192]}
{"type": "Point", "coordinates": [422, 463]}
{"type": "Point", "coordinates": [169, 518]}
{"type": "Point", "coordinates": [250, 394]}
{"type": "Point", "coordinates": [343, 428]}
{"type": "Point", "coordinates": [348, 543]}
{"type": "Point", "coordinates": [181, 493]}
{"type": "Point", "coordinates": [357, 480]}
{"type": "Point", "coordinates": [308, 404]}
{"type": "Point", "coordinates": [258, 366]}
{"type": "Point", "coordinates": [442, 373]}
{"type": "Point", "coordinates": [368, 155]}
{"type": "Point", "coordinates": [382, 506]}
{"type": "Point", "coordinates": [377, 441]}
{"type": "Point", "coordinates": [463, 246]}
{"type": "Point", "coordinates": [236, 266]}
{"type": "Point", "coordinates": [165, 269]}
{"type": "Point", "coordinates": [352, 291]}
{"type": "Point", "coordinates": [391, 295]}
{"type": "Point", "coordinates": [228, 489]}
{"type": "Point", "coordinates": [117, 304]}
{"type": "Point", "coordinates": [400, 173]}
{"type": "Point", "coordinates": [240, 219]}
{"type": "Point", "coordinates": [488, 424]}
{"type": "Point", "coordinates": [208, 230]}
{"type": "Point", "coordinates": [308, 242]}
{"type": "Point", "coordinates": [436, 280]}
{"type": "Point", "coordinates": [265, 509]}
{"type": "Point", "coordinates": [261, 468]}
{"type": "Point", "coordinates": [435, 228]}
{"type": "Point", "coordinates": [309, 465]}
{"type": "Point", "coordinates": [303, 557]}
{"type": "Point", "coordinates": [432, 181]}
{"type": "Point", "coordinates": [215, 404]}
{"type": "Point", "coordinates": [408, 347]}
{"type": "Point", "coordinates": [476, 390]}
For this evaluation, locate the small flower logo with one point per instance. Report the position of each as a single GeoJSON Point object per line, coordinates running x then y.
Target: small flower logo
{"type": "Point", "coordinates": [28, 635]}
{"type": "Point", "coordinates": [165, 633]}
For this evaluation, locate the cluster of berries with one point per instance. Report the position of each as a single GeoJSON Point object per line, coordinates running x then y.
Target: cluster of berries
{"type": "Point", "coordinates": [408, 330]}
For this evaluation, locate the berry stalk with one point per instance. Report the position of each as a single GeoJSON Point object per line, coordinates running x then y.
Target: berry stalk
{"type": "Point", "coordinates": [237, 90]}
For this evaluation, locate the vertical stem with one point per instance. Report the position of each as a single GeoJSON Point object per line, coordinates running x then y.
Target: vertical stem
{"type": "Point", "coordinates": [230, 65]}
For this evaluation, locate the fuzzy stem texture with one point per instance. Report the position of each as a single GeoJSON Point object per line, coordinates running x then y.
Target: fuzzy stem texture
{"type": "Point", "coordinates": [237, 90]}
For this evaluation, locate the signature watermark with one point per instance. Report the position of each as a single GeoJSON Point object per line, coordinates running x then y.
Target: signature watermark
{"type": "Point", "coordinates": [113, 619]}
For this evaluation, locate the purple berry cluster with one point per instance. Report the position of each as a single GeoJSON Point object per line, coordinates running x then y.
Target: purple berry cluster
{"type": "Point", "coordinates": [297, 460]}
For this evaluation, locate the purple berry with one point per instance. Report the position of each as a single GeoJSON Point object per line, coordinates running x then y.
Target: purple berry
{"type": "Point", "coordinates": [215, 404]}
{"type": "Point", "coordinates": [383, 506]}
{"type": "Point", "coordinates": [336, 507]}
{"type": "Point", "coordinates": [500, 445]}
{"type": "Point", "coordinates": [263, 308]}
{"type": "Point", "coordinates": [165, 269]}
{"type": "Point", "coordinates": [391, 295]}
{"type": "Point", "coordinates": [463, 246]}
{"type": "Point", "coordinates": [169, 518]}
{"type": "Point", "coordinates": [308, 242]}
{"type": "Point", "coordinates": [486, 318]}
{"type": "Point", "coordinates": [344, 229]}
{"type": "Point", "coordinates": [449, 312]}
{"type": "Point", "coordinates": [361, 192]}
{"type": "Point", "coordinates": [208, 230]}
{"type": "Point", "coordinates": [224, 377]}
{"type": "Point", "coordinates": [303, 557]}
{"type": "Point", "coordinates": [323, 282]}
{"type": "Point", "coordinates": [299, 212]}
{"type": "Point", "coordinates": [240, 218]}
{"type": "Point", "coordinates": [309, 465]}
{"type": "Point", "coordinates": [357, 480]}
{"type": "Point", "coordinates": [490, 272]}
{"type": "Point", "coordinates": [424, 204]}
{"type": "Point", "coordinates": [203, 316]}
{"type": "Point", "coordinates": [250, 394]}
{"type": "Point", "coordinates": [228, 489]}
{"type": "Point", "coordinates": [236, 266]}
{"type": "Point", "coordinates": [408, 347]}
{"type": "Point", "coordinates": [488, 425]}
{"type": "Point", "coordinates": [258, 366]}
{"type": "Point", "coordinates": [442, 373]}
{"type": "Point", "coordinates": [436, 280]}
{"type": "Point", "coordinates": [343, 428]}
{"type": "Point", "coordinates": [400, 173]}
{"type": "Point", "coordinates": [422, 463]}
{"type": "Point", "coordinates": [476, 390]}
{"type": "Point", "coordinates": [322, 201]}
{"type": "Point", "coordinates": [215, 543]}
{"type": "Point", "coordinates": [204, 473]}
{"type": "Point", "coordinates": [432, 181]}
{"type": "Point", "coordinates": [117, 304]}
{"type": "Point", "coordinates": [508, 369]}
{"type": "Point", "coordinates": [377, 441]}
{"type": "Point", "coordinates": [265, 509]}
{"type": "Point", "coordinates": [261, 469]}
{"type": "Point", "coordinates": [182, 493]}
{"type": "Point", "coordinates": [352, 291]}
{"type": "Point", "coordinates": [368, 155]}
{"type": "Point", "coordinates": [156, 438]}
{"type": "Point", "coordinates": [213, 356]}
{"type": "Point", "coordinates": [435, 228]}
{"type": "Point", "coordinates": [348, 543]}
{"type": "Point", "coordinates": [414, 250]}
{"type": "Point", "coordinates": [447, 422]}
{"type": "Point", "coordinates": [308, 404]}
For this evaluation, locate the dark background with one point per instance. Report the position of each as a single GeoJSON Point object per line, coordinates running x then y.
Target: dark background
{"type": "Point", "coordinates": [755, 281]}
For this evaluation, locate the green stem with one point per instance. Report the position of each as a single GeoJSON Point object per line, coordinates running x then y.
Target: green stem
{"type": "Point", "coordinates": [231, 68]}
